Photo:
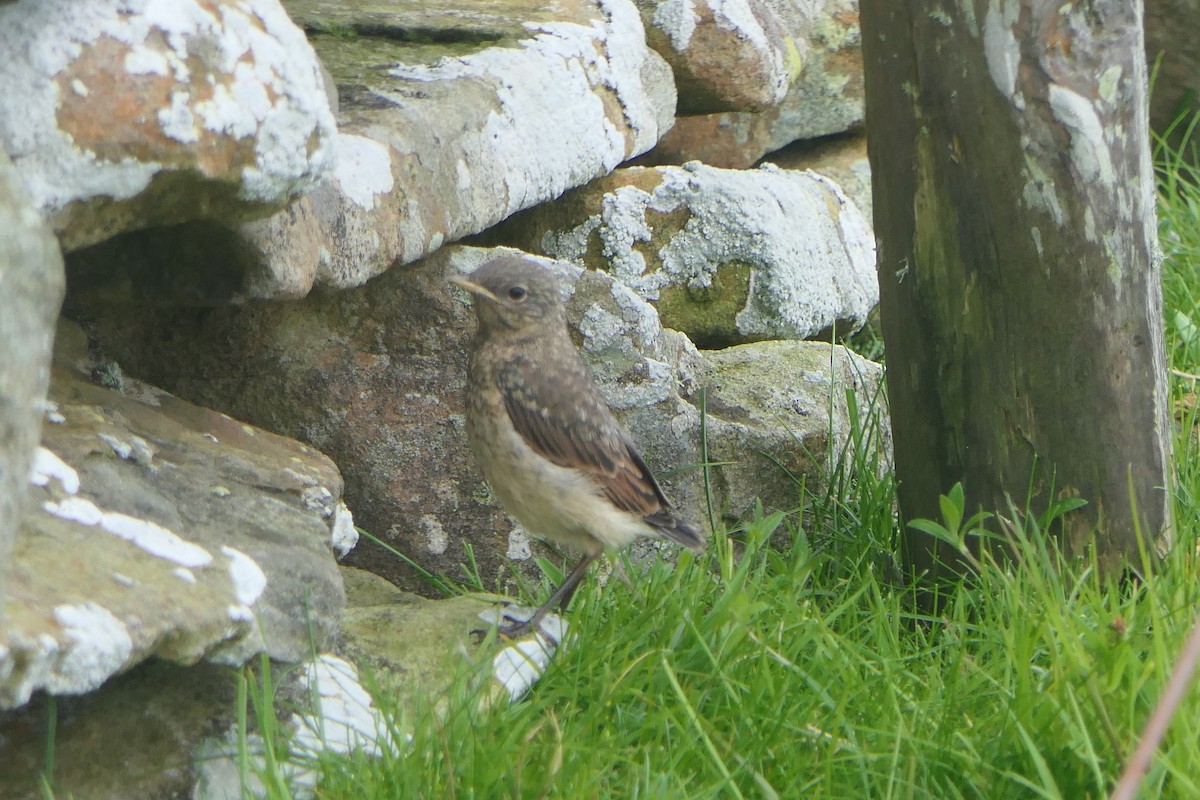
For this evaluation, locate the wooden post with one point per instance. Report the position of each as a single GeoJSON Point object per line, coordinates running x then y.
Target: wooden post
{"type": "Point", "coordinates": [1018, 263]}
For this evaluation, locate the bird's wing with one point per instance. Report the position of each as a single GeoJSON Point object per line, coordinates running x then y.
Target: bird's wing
{"type": "Point", "coordinates": [563, 417]}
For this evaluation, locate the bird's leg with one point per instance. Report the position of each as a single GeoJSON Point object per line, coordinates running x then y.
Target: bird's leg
{"type": "Point", "coordinates": [561, 597]}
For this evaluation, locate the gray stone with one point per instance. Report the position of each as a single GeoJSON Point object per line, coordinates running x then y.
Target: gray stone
{"type": "Point", "coordinates": [31, 290]}
{"type": "Point", "coordinates": [733, 55]}
{"type": "Point", "coordinates": [779, 415]}
{"type": "Point", "coordinates": [126, 115]}
{"type": "Point", "coordinates": [374, 377]}
{"type": "Point", "coordinates": [157, 528]}
{"type": "Point", "coordinates": [726, 256]}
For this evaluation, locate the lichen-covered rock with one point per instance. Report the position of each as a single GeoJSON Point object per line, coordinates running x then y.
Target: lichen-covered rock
{"type": "Point", "coordinates": [31, 290]}
{"type": "Point", "coordinates": [825, 98]}
{"type": "Point", "coordinates": [485, 111]}
{"type": "Point", "coordinates": [781, 408]}
{"type": "Point", "coordinates": [375, 377]}
{"type": "Point", "coordinates": [732, 55]}
{"type": "Point", "coordinates": [159, 529]}
{"type": "Point", "coordinates": [726, 256]}
{"type": "Point", "coordinates": [125, 114]}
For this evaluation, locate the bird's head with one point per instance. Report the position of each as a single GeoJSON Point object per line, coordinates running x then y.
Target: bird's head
{"type": "Point", "coordinates": [513, 296]}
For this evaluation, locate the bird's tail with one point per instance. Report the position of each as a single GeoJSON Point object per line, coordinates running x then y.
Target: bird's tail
{"type": "Point", "coordinates": [677, 531]}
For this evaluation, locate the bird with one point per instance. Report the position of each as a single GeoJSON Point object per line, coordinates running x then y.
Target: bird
{"type": "Point", "coordinates": [543, 435]}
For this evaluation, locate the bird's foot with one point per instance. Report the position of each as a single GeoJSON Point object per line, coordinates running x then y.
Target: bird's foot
{"type": "Point", "coordinates": [516, 629]}
{"type": "Point", "coordinates": [513, 622]}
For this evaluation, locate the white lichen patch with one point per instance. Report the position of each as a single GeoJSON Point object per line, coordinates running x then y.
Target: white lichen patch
{"type": "Point", "coordinates": [345, 719]}
{"type": "Point", "coordinates": [184, 574]}
{"type": "Point", "coordinates": [343, 536]}
{"type": "Point", "coordinates": [363, 169]}
{"type": "Point", "coordinates": [122, 449]}
{"type": "Point", "coordinates": [641, 319]}
{"type": "Point", "coordinates": [603, 331]}
{"type": "Point", "coordinates": [854, 226]}
{"type": "Point", "coordinates": [178, 121]}
{"type": "Point", "coordinates": [247, 577]}
{"type": "Point", "coordinates": [1039, 192]}
{"type": "Point", "coordinates": [623, 213]}
{"type": "Point", "coordinates": [97, 646]}
{"type": "Point", "coordinates": [314, 497]}
{"type": "Point", "coordinates": [155, 539]}
{"type": "Point", "coordinates": [518, 548]}
{"type": "Point", "coordinates": [677, 19]}
{"type": "Point", "coordinates": [150, 536]}
{"type": "Point", "coordinates": [1089, 151]}
{"type": "Point", "coordinates": [47, 466]}
{"type": "Point", "coordinates": [52, 413]}
{"type": "Point", "coordinates": [570, 244]}
{"type": "Point", "coordinates": [239, 613]}
{"type": "Point", "coordinates": [808, 251]}
{"type": "Point", "coordinates": [436, 539]}
{"type": "Point", "coordinates": [1000, 46]}
{"type": "Point", "coordinates": [143, 451]}
{"type": "Point", "coordinates": [810, 263]}
{"type": "Point", "coordinates": [967, 8]}
{"type": "Point", "coordinates": [1109, 83]}
{"type": "Point", "coordinates": [74, 509]}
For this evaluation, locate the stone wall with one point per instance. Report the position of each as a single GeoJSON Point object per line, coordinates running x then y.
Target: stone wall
{"type": "Point", "coordinates": [260, 205]}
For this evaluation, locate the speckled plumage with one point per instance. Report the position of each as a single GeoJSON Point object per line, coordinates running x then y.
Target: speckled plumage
{"type": "Point", "coordinates": [542, 432]}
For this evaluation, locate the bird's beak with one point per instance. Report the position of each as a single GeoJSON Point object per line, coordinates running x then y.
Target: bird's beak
{"type": "Point", "coordinates": [474, 288]}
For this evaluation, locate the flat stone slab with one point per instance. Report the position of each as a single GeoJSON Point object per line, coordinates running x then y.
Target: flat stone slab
{"type": "Point", "coordinates": [157, 528]}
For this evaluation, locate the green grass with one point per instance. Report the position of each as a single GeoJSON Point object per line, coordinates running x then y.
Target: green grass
{"type": "Point", "coordinates": [806, 672]}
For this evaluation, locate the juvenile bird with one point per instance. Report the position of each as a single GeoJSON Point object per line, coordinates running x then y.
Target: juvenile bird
{"type": "Point", "coordinates": [543, 434]}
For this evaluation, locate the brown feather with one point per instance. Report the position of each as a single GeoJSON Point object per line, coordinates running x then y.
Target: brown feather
{"type": "Point", "coordinates": [588, 439]}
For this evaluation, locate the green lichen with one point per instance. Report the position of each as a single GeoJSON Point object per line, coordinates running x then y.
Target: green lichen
{"type": "Point", "coordinates": [708, 315]}
{"type": "Point", "coordinates": [1110, 79]}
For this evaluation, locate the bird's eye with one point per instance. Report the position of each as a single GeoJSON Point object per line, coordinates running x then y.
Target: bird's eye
{"type": "Point", "coordinates": [518, 293]}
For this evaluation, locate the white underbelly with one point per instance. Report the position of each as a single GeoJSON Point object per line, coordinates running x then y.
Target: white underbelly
{"type": "Point", "coordinates": [553, 502]}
